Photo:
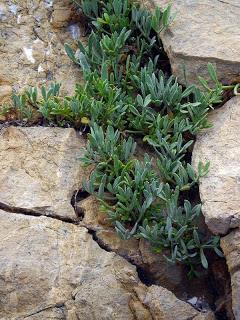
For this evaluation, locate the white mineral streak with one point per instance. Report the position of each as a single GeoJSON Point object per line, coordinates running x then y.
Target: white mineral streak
{"type": "Point", "coordinates": [29, 54]}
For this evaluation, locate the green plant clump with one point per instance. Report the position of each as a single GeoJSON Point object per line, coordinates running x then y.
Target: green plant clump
{"type": "Point", "coordinates": [128, 94]}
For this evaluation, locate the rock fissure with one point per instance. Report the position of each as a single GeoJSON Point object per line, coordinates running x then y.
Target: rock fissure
{"type": "Point", "coordinates": [228, 3]}
{"type": "Point", "coordinates": [33, 313]}
{"type": "Point", "coordinates": [35, 213]}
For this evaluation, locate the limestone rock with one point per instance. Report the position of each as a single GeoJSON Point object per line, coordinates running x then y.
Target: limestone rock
{"type": "Point", "coordinates": [231, 248]}
{"type": "Point", "coordinates": [54, 270]}
{"type": "Point", "coordinates": [203, 31]}
{"type": "Point", "coordinates": [220, 189]}
{"type": "Point", "coordinates": [5, 93]}
{"type": "Point", "coordinates": [40, 169]}
{"type": "Point", "coordinates": [32, 48]}
{"type": "Point", "coordinates": [164, 305]}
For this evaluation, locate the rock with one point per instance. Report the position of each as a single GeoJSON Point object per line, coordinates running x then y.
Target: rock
{"type": "Point", "coordinates": [164, 305]}
{"type": "Point", "coordinates": [220, 189]}
{"type": "Point", "coordinates": [32, 48]}
{"type": "Point", "coordinates": [5, 93]}
{"type": "Point", "coordinates": [55, 270]}
{"type": "Point", "coordinates": [231, 248]}
{"type": "Point", "coordinates": [92, 217]}
{"type": "Point", "coordinates": [62, 13]}
{"type": "Point", "coordinates": [40, 169]}
{"type": "Point", "coordinates": [203, 31]}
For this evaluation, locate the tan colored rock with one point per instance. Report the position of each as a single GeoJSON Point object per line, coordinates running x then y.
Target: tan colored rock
{"type": "Point", "coordinates": [54, 270]}
{"type": "Point", "coordinates": [62, 13]}
{"type": "Point", "coordinates": [32, 48]}
{"type": "Point", "coordinates": [220, 189]}
{"type": "Point", "coordinates": [231, 248]}
{"type": "Point", "coordinates": [93, 217]}
{"type": "Point", "coordinates": [97, 221]}
{"type": "Point", "coordinates": [5, 93]}
{"type": "Point", "coordinates": [203, 31]}
{"type": "Point", "coordinates": [164, 305]}
{"type": "Point", "coordinates": [40, 169]}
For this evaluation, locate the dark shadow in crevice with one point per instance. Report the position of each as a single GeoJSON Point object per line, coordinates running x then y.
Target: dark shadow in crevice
{"type": "Point", "coordinates": [78, 196]}
{"type": "Point", "coordinates": [35, 213]}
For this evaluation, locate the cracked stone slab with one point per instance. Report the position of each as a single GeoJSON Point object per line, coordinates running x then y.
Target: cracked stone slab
{"type": "Point", "coordinates": [55, 270]}
{"type": "Point", "coordinates": [231, 248]}
{"type": "Point", "coordinates": [40, 169]}
{"type": "Point", "coordinates": [220, 189]}
{"type": "Point", "coordinates": [203, 31]}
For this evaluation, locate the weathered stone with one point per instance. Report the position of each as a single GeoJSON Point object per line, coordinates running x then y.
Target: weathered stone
{"type": "Point", "coordinates": [5, 93]}
{"type": "Point", "coordinates": [203, 31]}
{"type": "Point", "coordinates": [92, 217]}
{"type": "Point", "coordinates": [164, 305]}
{"type": "Point", "coordinates": [32, 48]}
{"type": "Point", "coordinates": [40, 169]}
{"type": "Point", "coordinates": [54, 270]}
{"type": "Point", "coordinates": [231, 248]}
{"type": "Point", "coordinates": [220, 189]}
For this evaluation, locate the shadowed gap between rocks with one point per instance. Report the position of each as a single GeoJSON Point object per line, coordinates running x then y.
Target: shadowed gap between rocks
{"type": "Point", "coordinates": [34, 213]}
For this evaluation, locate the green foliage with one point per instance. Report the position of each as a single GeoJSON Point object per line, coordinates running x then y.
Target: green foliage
{"type": "Point", "coordinates": [141, 203]}
{"type": "Point", "coordinates": [126, 93]}
{"type": "Point", "coordinates": [143, 200]}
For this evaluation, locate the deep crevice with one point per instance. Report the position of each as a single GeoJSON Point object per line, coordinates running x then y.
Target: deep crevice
{"type": "Point", "coordinates": [144, 277]}
{"type": "Point", "coordinates": [35, 213]}
{"type": "Point", "coordinates": [78, 196]}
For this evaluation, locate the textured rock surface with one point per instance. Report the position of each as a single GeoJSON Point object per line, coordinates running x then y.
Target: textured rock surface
{"type": "Point", "coordinates": [55, 270]}
{"type": "Point", "coordinates": [40, 169]}
{"type": "Point", "coordinates": [231, 248]}
{"type": "Point", "coordinates": [164, 305]}
{"type": "Point", "coordinates": [203, 31]}
{"type": "Point", "coordinates": [220, 189]}
{"type": "Point", "coordinates": [31, 44]}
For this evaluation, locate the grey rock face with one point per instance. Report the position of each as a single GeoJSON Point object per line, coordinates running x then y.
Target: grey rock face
{"type": "Point", "coordinates": [220, 189]}
{"type": "Point", "coordinates": [203, 31]}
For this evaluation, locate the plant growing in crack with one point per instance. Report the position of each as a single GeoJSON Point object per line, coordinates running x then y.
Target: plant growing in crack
{"type": "Point", "coordinates": [129, 94]}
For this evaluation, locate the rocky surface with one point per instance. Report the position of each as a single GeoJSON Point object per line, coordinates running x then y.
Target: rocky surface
{"type": "Point", "coordinates": [40, 169]}
{"type": "Point", "coordinates": [51, 266]}
{"type": "Point", "coordinates": [32, 40]}
{"type": "Point", "coordinates": [55, 270]}
{"type": "Point", "coordinates": [164, 305]}
{"type": "Point", "coordinates": [203, 31]}
{"type": "Point", "coordinates": [220, 189]}
{"type": "Point", "coordinates": [231, 248]}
